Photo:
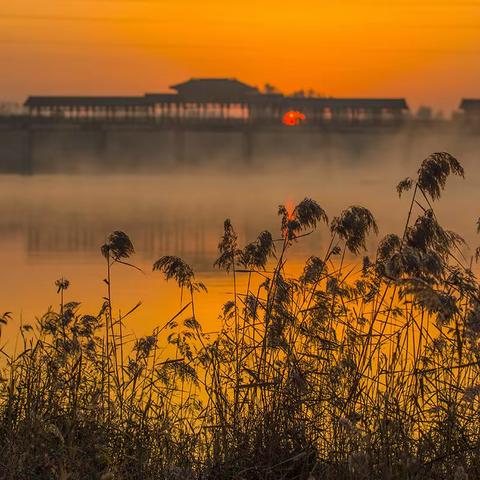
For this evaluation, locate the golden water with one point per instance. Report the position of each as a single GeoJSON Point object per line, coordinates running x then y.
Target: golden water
{"type": "Point", "coordinates": [53, 226]}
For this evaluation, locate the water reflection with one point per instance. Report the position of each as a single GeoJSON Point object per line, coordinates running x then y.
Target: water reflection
{"type": "Point", "coordinates": [52, 226]}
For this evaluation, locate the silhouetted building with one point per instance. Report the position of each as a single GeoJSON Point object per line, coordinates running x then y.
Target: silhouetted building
{"type": "Point", "coordinates": [221, 100]}
{"type": "Point", "coordinates": [471, 110]}
{"type": "Point", "coordinates": [74, 107]}
{"type": "Point", "coordinates": [215, 90]}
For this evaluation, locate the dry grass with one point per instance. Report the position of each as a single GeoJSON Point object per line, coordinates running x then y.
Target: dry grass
{"type": "Point", "coordinates": [366, 372]}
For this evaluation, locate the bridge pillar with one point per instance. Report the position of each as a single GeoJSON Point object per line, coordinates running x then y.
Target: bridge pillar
{"type": "Point", "coordinates": [102, 145]}
{"type": "Point", "coordinates": [26, 167]}
{"type": "Point", "coordinates": [179, 145]}
{"type": "Point", "coordinates": [247, 145]}
{"type": "Point", "coordinates": [328, 147]}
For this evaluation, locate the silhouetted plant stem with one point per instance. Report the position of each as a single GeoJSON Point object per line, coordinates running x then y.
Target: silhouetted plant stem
{"type": "Point", "coordinates": [345, 372]}
{"type": "Point", "coordinates": [108, 321]}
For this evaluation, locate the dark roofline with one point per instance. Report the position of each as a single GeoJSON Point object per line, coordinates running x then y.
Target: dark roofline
{"type": "Point", "coordinates": [212, 80]}
{"type": "Point", "coordinates": [161, 97]}
{"type": "Point", "coordinates": [84, 101]}
{"type": "Point", "coordinates": [330, 102]}
{"type": "Point", "coordinates": [399, 103]}
{"type": "Point", "coordinates": [321, 102]}
{"type": "Point", "coordinates": [254, 98]}
{"type": "Point", "coordinates": [467, 103]}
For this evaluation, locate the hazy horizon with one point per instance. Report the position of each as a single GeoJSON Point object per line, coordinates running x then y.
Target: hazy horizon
{"type": "Point", "coordinates": [424, 51]}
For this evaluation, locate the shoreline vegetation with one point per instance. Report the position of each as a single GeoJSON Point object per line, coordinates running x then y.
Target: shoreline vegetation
{"type": "Point", "coordinates": [345, 372]}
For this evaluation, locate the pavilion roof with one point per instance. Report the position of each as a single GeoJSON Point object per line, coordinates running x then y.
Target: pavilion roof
{"type": "Point", "coordinates": [214, 89]}
{"type": "Point", "coordinates": [56, 101]}
{"type": "Point", "coordinates": [226, 90]}
{"type": "Point", "coordinates": [214, 83]}
{"type": "Point", "coordinates": [161, 97]}
{"type": "Point", "coordinates": [329, 102]}
{"type": "Point", "coordinates": [469, 103]}
{"type": "Point", "coordinates": [343, 103]}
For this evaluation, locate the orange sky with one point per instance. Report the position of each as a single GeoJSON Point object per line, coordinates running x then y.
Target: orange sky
{"type": "Point", "coordinates": [425, 50]}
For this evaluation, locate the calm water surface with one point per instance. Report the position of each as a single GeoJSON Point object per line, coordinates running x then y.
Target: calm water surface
{"type": "Point", "coordinates": [53, 226]}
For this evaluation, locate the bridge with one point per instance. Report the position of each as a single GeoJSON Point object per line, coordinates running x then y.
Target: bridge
{"type": "Point", "coordinates": [206, 121]}
{"type": "Point", "coordinates": [218, 102]}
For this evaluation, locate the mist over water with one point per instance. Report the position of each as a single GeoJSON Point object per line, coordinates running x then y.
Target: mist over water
{"type": "Point", "coordinates": [53, 225]}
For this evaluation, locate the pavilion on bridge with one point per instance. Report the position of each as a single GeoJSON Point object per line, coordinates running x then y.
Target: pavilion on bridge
{"type": "Point", "coordinates": [471, 110]}
{"type": "Point", "coordinates": [219, 101]}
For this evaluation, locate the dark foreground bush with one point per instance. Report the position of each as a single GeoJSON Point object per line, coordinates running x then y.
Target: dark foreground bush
{"type": "Point", "coordinates": [352, 370]}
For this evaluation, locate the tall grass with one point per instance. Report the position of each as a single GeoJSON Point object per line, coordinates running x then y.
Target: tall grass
{"type": "Point", "coordinates": [363, 370]}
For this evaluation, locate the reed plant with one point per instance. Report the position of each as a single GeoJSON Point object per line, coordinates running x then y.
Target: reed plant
{"type": "Point", "coordinates": [357, 368]}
